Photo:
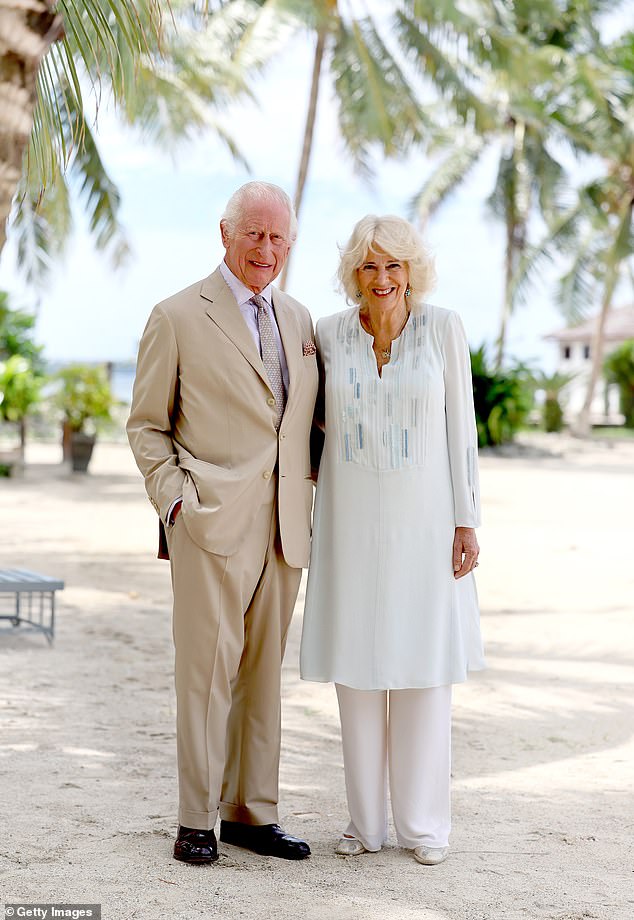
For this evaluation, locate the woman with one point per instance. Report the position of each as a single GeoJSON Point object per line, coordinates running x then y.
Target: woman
{"type": "Point", "coordinates": [391, 611]}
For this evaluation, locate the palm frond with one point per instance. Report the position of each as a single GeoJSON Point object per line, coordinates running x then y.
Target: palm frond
{"type": "Point", "coordinates": [448, 175]}
{"type": "Point", "coordinates": [100, 198]}
{"type": "Point", "coordinates": [576, 292]}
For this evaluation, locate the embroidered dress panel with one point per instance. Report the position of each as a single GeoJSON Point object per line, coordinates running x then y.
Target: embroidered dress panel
{"type": "Point", "coordinates": [382, 420]}
{"type": "Point", "coordinates": [270, 357]}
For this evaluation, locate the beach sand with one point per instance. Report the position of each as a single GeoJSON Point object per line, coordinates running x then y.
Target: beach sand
{"type": "Point", "coordinates": [543, 810]}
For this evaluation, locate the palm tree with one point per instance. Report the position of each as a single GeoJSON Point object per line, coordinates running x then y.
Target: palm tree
{"type": "Point", "coordinates": [26, 34]}
{"type": "Point", "coordinates": [169, 71]}
{"type": "Point", "coordinates": [492, 64]}
{"type": "Point", "coordinates": [377, 107]}
{"type": "Point", "coordinates": [593, 107]}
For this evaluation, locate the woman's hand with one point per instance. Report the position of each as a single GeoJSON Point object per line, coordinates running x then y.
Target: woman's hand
{"type": "Point", "coordinates": [465, 544]}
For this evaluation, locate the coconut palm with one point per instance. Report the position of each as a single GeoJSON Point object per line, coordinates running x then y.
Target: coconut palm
{"type": "Point", "coordinates": [168, 71]}
{"type": "Point", "coordinates": [377, 107]}
{"type": "Point", "coordinates": [492, 65]}
{"type": "Point", "coordinates": [594, 106]}
{"type": "Point", "coordinates": [26, 34]}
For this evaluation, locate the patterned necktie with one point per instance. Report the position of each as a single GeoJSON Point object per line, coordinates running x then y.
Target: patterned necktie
{"type": "Point", "coordinates": [270, 356]}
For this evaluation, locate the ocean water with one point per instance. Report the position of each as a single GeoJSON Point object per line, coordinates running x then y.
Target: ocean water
{"type": "Point", "coordinates": [121, 381]}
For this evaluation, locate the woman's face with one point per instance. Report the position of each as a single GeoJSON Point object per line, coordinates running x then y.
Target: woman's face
{"type": "Point", "coordinates": [382, 280]}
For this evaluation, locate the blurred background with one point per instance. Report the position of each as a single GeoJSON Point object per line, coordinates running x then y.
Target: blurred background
{"type": "Point", "coordinates": [503, 130]}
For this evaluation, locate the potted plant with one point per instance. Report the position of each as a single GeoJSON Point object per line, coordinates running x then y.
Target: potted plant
{"type": "Point", "coordinates": [85, 398]}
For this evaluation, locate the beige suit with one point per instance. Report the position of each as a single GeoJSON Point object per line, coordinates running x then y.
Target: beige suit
{"type": "Point", "coordinates": [202, 427]}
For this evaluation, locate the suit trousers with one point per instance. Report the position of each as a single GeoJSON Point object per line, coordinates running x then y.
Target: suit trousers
{"type": "Point", "coordinates": [230, 622]}
{"type": "Point", "coordinates": [409, 733]}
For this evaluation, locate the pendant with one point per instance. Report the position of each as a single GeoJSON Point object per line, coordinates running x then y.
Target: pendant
{"type": "Point", "coordinates": [386, 355]}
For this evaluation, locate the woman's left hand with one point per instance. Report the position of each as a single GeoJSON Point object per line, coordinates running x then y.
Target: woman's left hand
{"type": "Point", "coordinates": [465, 544]}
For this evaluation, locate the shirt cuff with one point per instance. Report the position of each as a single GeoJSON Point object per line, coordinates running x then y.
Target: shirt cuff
{"type": "Point", "coordinates": [170, 522]}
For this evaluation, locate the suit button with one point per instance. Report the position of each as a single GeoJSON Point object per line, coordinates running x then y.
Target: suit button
{"type": "Point", "coordinates": [266, 474]}
{"type": "Point", "coordinates": [271, 401]}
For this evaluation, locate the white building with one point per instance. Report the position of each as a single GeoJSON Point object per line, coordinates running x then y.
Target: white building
{"type": "Point", "coordinates": [575, 357]}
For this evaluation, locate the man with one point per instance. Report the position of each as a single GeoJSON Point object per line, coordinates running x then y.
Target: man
{"type": "Point", "coordinates": [220, 421]}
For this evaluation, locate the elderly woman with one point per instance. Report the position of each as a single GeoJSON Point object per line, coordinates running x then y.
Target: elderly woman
{"type": "Point", "coordinates": [391, 610]}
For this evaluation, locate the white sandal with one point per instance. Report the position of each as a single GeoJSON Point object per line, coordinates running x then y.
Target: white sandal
{"type": "Point", "coordinates": [350, 846]}
{"type": "Point", "coordinates": [430, 856]}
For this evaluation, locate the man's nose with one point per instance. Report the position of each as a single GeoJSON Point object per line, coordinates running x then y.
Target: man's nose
{"type": "Point", "coordinates": [265, 247]}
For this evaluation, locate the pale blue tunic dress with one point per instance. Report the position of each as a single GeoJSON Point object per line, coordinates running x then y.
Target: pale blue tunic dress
{"type": "Point", "coordinates": [398, 474]}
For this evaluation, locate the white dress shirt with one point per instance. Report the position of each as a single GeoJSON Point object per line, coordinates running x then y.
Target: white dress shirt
{"type": "Point", "coordinates": [243, 296]}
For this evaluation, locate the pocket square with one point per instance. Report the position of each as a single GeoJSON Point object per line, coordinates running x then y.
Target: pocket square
{"type": "Point", "coordinates": [309, 348]}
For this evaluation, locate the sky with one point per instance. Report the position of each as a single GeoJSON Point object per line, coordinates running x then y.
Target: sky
{"type": "Point", "coordinates": [171, 206]}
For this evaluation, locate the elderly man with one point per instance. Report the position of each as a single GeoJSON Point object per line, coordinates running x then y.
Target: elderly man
{"type": "Point", "coordinates": [219, 426]}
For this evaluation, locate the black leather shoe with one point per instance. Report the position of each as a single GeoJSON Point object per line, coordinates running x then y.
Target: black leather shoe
{"type": "Point", "coordinates": [195, 846]}
{"type": "Point", "coordinates": [265, 839]}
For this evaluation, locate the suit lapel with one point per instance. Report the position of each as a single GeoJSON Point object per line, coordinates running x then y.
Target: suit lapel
{"type": "Point", "coordinates": [222, 308]}
{"type": "Point", "coordinates": [291, 339]}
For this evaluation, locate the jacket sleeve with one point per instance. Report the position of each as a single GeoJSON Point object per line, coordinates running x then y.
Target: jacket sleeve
{"type": "Point", "coordinates": [154, 400]}
{"type": "Point", "coordinates": [462, 438]}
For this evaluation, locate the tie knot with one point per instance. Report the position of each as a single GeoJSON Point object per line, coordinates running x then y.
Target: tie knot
{"type": "Point", "coordinates": [259, 301]}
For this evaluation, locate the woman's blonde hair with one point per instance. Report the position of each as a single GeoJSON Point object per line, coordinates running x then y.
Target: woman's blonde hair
{"type": "Point", "coordinates": [400, 240]}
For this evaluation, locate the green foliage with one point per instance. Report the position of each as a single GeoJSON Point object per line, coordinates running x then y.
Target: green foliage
{"type": "Point", "coordinates": [20, 387]}
{"type": "Point", "coordinates": [16, 333]}
{"type": "Point", "coordinates": [552, 385]}
{"type": "Point", "coordinates": [84, 395]}
{"type": "Point", "coordinates": [502, 399]}
{"type": "Point", "coordinates": [553, 414]}
{"type": "Point", "coordinates": [167, 66]}
{"type": "Point", "coordinates": [619, 368]}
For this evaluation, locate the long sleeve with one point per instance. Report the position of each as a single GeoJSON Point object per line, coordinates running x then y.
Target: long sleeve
{"type": "Point", "coordinates": [153, 402]}
{"type": "Point", "coordinates": [462, 438]}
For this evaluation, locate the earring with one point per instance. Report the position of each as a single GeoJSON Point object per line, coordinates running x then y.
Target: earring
{"type": "Point", "coordinates": [359, 295]}
{"type": "Point", "coordinates": [408, 291]}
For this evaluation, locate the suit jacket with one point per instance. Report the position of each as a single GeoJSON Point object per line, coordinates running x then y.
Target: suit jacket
{"type": "Point", "coordinates": [202, 418]}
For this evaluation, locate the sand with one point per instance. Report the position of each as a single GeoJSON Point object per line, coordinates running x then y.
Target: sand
{"type": "Point", "coordinates": [543, 809]}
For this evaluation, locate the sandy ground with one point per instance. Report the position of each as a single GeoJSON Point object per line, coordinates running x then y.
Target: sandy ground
{"type": "Point", "coordinates": [543, 767]}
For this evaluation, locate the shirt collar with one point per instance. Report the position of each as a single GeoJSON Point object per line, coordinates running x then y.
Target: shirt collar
{"type": "Point", "coordinates": [240, 291]}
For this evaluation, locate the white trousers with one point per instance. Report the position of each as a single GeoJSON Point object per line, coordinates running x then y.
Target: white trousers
{"type": "Point", "coordinates": [408, 734]}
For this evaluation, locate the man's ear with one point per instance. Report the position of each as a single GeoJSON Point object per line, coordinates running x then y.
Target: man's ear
{"type": "Point", "coordinates": [224, 233]}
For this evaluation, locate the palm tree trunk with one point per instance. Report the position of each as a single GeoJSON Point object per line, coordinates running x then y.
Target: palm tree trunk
{"type": "Point", "coordinates": [309, 131]}
{"type": "Point", "coordinates": [517, 208]}
{"type": "Point", "coordinates": [27, 30]}
{"type": "Point", "coordinates": [582, 425]}
{"type": "Point", "coordinates": [509, 259]}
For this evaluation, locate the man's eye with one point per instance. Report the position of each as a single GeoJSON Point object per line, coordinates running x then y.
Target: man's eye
{"type": "Point", "coordinates": [254, 234]}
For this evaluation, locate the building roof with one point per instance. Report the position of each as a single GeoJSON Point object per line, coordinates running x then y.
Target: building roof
{"type": "Point", "coordinates": [619, 327]}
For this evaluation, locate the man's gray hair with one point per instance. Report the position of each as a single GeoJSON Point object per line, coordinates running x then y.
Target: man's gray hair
{"type": "Point", "coordinates": [256, 192]}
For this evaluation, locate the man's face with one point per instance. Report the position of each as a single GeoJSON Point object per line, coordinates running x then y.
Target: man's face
{"type": "Point", "coordinates": [259, 247]}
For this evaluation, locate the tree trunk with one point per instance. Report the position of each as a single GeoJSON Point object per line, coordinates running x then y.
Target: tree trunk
{"type": "Point", "coordinates": [27, 30]}
{"type": "Point", "coordinates": [517, 209]}
{"type": "Point", "coordinates": [582, 425]}
{"type": "Point", "coordinates": [22, 429]}
{"type": "Point", "coordinates": [509, 259]}
{"type": "Point", "coordinates": [309, 131]}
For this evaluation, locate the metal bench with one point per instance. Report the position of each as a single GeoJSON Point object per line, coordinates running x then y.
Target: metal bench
{"type": "Point", "coordinates": [34, 603]}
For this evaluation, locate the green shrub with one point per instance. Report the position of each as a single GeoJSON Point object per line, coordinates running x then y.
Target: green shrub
{"type": "Point", "coordinates": [502, 399]}
{"type": "Point", "coordinates": [20, 388]}
{"type": "Point", "coordinates": [619, 369]}
{"type": "Point", "coordinates": [552, 385]}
